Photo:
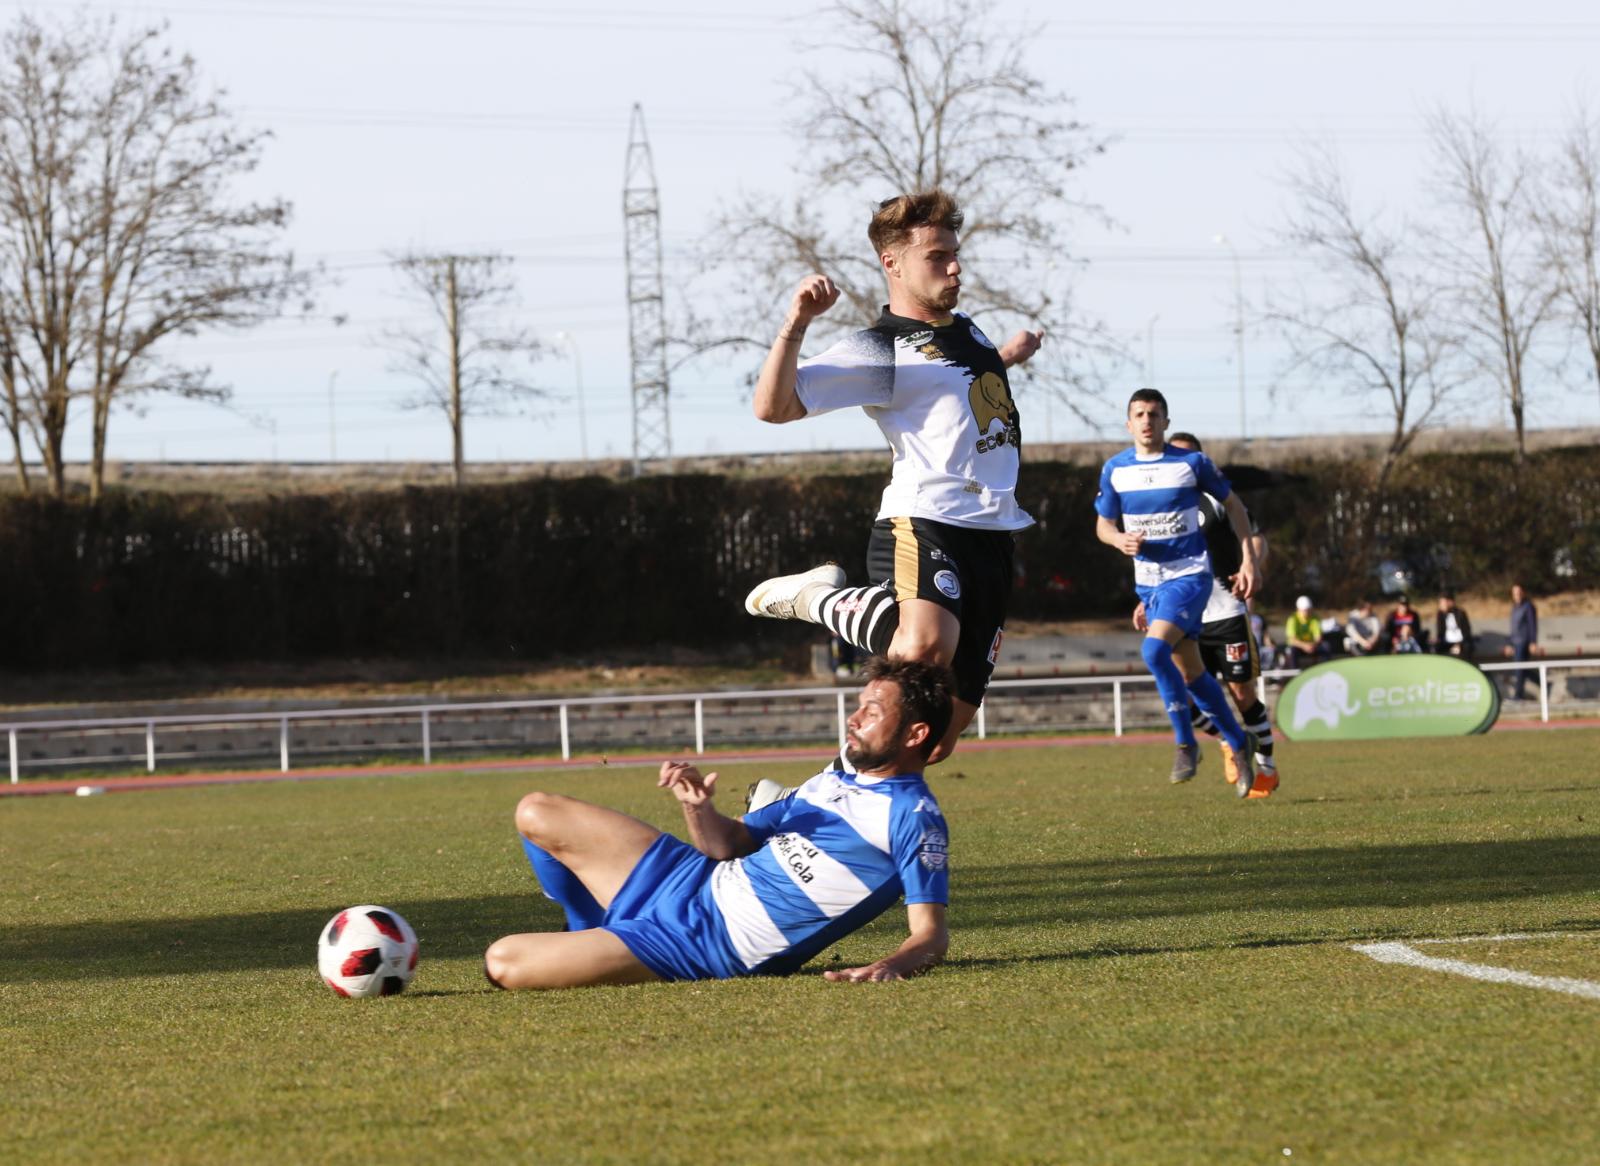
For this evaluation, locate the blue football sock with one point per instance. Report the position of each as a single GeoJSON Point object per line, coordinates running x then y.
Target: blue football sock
{"type": "Point", "coordinates": [1213, 702]}
{"type": "Point", "coordinates": [566, 888]}
{"type": "Point", "coordinates": [1169, 683]}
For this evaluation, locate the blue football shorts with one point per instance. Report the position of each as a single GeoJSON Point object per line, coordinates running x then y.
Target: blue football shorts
{"type": "Point", "coordinates": [1181, 601]}
{"type": "Point", "coordinates": [666, 916]}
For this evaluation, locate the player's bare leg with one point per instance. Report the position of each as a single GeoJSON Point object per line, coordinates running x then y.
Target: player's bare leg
{"type": "Point", "coordinates": [599, 845]}
{"type": "Point", "coordinates": [927, 632]}
{"type": "Point", "coordinates": [930, 633]}
{"type": "Point", "coordinates": [571, 959]}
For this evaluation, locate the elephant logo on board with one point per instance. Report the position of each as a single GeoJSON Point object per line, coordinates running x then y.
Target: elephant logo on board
{"type": "Point", "coordinates": [1324, 698]}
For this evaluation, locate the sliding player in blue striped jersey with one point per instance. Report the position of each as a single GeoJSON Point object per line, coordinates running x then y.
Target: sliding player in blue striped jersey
{"type": "Point", "coordinates": [758, 895]}
{"type": "Point", "coordinates": [1154, 491]}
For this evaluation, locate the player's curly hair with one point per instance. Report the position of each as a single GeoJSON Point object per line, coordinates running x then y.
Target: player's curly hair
{"type": "Point", "coordinates": [924, 693]}
{"type": "Point", "coordinates": [897, 217]}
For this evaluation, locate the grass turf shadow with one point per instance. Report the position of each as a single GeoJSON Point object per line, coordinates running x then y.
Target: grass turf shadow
{"type": "Point", "coordinates": [1320, 878]}
{"type": "Point", "coordinates": [1098, 890]}
{"type": "Point", "coordinates": [265, 940]}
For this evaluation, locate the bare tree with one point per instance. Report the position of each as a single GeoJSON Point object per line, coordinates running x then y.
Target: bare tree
{"type": "Point", "coordinates": [943, 98]}
{"type": "Point", "coordinates": [1491, 248]}
{"type": "Point", "coordinates": [464, 364]}
{"type": "Point", "coordinates": [1378, 333]}
{"type": "Point", "coordinates": [119, 229]}
{"type": "Point", "coordinates": [1569, 216]}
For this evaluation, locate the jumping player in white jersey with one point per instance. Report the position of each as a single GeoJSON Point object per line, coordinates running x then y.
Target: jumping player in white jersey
{"type": "Point", "coordinates": [1227, 645]}
{"type": "Point", "coordinates": [1153, 490]}
{"type": "Point", "coordinates": [758, 895]}
{"type": "Point", "coordinates": [940, 557]}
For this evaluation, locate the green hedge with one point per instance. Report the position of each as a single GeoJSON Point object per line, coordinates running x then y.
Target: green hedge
{"type": "Point", "coordinates": [566, 566]}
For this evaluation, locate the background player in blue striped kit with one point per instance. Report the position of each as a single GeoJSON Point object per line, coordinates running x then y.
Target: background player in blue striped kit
{"type": "Point", "coordinates": [1154, 491]}
{"type": "Point", "coordinates": [758, 895]}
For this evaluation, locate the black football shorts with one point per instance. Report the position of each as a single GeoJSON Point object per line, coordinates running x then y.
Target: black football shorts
{"type": "Point", "coordinates": [967, 572]}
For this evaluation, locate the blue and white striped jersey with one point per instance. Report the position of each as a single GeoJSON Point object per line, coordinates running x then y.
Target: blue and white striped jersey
{"type": "Point", "coordinates": [1158, 496]}
{"type": "Point", "coordinates": [832, 857]}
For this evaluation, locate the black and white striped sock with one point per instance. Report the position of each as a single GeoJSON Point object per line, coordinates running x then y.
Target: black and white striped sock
{"type": "Point", "coordinates": [1256, 720]}
{"type": "Point", "coordinates": [1202, 721]}
{"type": "Point", "coordinates": [865, 617]}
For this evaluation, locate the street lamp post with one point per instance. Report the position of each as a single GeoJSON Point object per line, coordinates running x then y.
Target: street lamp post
{"type": "Point", "coordinates": [571, 342]}
{"type": "Point", "coordinates": [1238, 326]}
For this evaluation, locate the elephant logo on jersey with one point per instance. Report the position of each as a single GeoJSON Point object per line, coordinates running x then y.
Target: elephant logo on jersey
{"type": "Point", "coordinates": [990, 399]}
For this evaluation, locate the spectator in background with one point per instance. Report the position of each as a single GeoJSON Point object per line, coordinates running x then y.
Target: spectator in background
{"type": "Point", "coordinates": [1524, 638]}
{"type": "Point", "coordinates": [1332, 635]}
{"type": "Point", "coordinates": [1302, 633]}
{"type": "Point", "coordinates": [1405, 640]}
{"type": "Point", "coordinates": [1361, 629]}
{"type": "Point", "coordinates": [1403, 615]}
{"type": "Point", "coordinates": [1452, 630]}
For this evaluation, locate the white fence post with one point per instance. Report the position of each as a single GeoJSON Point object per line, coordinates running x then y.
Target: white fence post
{"type": "Point", "coordinates": [1116, 705]}
{"type": "Point", "coordinates": [149, 746]}
{"type": "Point", "coordinates": [13, 735]}
{"type": "Point", "coordinates": [283, 745]}
{"type": "Point", "coordinates": [427, 740]}
{"type": "Point", "coordinates": [566, 741]}
{"type": "Point", "coordinates": [699, 725]}
{"type": "Point", "coordinates": [1544, 692]}
{"type": "Point", "coordinates": [982, 724]}
{"type": "Point", "coordinates": [843, 716]}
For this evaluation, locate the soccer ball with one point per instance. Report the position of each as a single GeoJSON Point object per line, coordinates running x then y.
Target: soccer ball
{"type": "Point", "coordinates": [367, 951]}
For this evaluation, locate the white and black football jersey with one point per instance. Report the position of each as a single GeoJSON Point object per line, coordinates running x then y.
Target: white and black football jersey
{"type": "Point", "coordinates": [1226, 559]}
{"type": "Point", "coordinates": [939, 394]}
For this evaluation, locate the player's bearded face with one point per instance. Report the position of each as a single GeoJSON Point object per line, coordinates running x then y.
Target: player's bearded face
{"type": "Point", "coordinates": [872, 737]}
{"type": "Point", "coordinates": [931, 267]}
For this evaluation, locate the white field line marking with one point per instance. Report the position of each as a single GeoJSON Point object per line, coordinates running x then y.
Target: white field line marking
{"type": "Point", "coordinates": [1401, 953]}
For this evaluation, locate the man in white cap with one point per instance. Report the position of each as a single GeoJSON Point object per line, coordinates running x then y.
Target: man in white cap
{"type": "Point", "coordinates": [1303, 633]}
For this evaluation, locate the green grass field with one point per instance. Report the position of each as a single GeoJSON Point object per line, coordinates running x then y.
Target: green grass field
{"type": "Point", "coordinates": [1139, 973]}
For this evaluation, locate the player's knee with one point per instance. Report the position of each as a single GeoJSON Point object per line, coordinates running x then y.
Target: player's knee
{"type": "Point", "coordinates": [498, 965]}
{"type": "Point", "coordinates": [924, 644]}
{"type": "Point", "coordinates": [1156, 652]}
{"type": "Point", "coordinates": [536, 815]}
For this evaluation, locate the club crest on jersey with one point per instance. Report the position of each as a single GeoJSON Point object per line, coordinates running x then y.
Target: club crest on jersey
{"type": "Point", "coordinates": [980, 337]}
{"type": "Point", "coordinates": [948, 584]}
{"type": "Point", "coordinates": [934, 853]}
{"type": "Point", "coordinates": [918, 339]}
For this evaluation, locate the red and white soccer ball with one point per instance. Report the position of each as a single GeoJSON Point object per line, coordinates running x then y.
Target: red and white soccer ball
{"type": "Point", "coordinates": [367, 951]}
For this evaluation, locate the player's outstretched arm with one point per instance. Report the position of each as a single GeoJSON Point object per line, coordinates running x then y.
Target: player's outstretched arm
{"type": "Point", "coordinates": [1020, 347]}
{"type": "Point", "coordinates": [713, 834]}
{"type": "Point", "coordinates": [776, 399]}
{"type": "Point", "coordinates": [923, 948]}
{"type": "Point", "coordinates": [1248, 579]}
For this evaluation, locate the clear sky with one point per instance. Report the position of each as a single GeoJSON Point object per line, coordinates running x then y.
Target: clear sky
{"type": "Point", "coordinates": [494, 125]}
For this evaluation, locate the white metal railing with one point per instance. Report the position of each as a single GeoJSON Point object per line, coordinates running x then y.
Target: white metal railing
{"type": "Point", "coordinates": [424, 714]}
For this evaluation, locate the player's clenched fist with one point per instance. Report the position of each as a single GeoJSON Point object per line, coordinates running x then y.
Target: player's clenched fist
{"type": "Point", "coordinates": [815, 295]}
{"type": "Point", "coordinates": [1020, 347]}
